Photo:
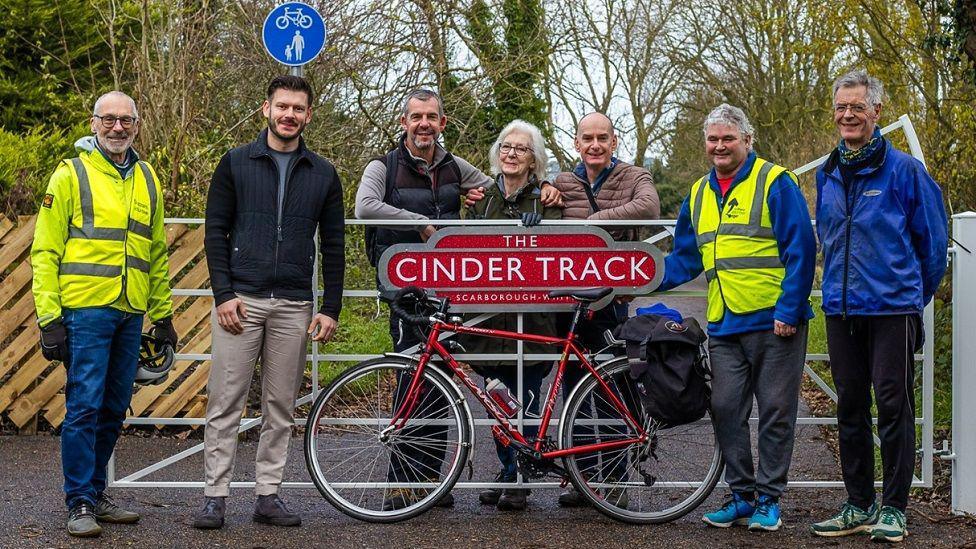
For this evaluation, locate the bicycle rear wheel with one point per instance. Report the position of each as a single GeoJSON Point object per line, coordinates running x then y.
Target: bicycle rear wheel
{"type": "Point", "coordinates": [654, 482]}
{"type": "Point", "coordinates": [370, 471]}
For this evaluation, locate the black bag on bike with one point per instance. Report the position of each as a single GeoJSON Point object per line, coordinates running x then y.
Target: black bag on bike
{"type": "Point", "coordinates": [668, 366]}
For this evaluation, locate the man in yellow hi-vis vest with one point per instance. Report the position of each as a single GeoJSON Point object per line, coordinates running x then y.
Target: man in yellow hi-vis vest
{"type": "Point", "coordinates": [747, 227]}
{"type": "Point", "coordinates": [100, 264]}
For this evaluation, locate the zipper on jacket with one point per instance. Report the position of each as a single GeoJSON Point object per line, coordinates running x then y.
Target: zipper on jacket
{"type": "Point", "coordinates": [849, 201]}
{"type": "Point", "coordinates": [721, 208]}
{"type": "Point", "coordinates": [125, 242]}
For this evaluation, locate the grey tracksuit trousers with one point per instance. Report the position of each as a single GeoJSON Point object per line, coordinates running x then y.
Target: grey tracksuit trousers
{"type": "Point", "coordinates": [769, 367]}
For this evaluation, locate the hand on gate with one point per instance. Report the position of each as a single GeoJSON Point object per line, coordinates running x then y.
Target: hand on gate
{"type": "Point", "coordinates": [325, 325]}
{"type": "Point", "coordinates": [783, 329]}
{"type": "Point", "coordinates": [229, 315]}
{"type": "Point", "coordinates": [427, 232]}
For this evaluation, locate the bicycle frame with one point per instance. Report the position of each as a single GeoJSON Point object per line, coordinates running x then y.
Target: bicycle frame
{"type": "Point", "coordinates": [569, 345]}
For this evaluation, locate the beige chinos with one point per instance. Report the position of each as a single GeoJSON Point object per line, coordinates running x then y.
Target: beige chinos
{"type": "Point", "coordinates": [275, 330]}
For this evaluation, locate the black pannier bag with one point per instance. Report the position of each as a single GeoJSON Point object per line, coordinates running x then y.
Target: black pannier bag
{"type": "Point", "coordinates": [668, 367]}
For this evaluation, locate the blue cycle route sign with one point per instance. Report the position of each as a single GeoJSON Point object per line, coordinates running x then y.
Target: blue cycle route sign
{"type": "Point", "coordinates": [294, 33]}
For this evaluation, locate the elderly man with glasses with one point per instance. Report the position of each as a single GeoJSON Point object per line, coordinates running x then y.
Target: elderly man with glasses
{"type": "Point", "coordinates": [883, 230]}
{"type": "Point", "coordinates": [100, 264]}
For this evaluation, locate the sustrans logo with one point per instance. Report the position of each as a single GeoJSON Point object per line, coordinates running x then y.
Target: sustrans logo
{"type": "Point", "coordinates": [733, 211]}
{"type": "Point", "coordinates": [675, 327]}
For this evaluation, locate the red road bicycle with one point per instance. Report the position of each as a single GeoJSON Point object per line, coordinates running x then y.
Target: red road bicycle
{"type": "Point", "coordinates": [399, 426]}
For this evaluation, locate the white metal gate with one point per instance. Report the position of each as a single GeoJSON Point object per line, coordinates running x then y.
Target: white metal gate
{"type": "Point", "coordinates": [138, 479]}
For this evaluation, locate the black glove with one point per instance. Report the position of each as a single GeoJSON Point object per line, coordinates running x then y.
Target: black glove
{"type": "Point", "coordinates": [530, 219]}
{"type": "Point", "coordinates": [165, 332]}
{"type": "Point", "coordinates": [54, 341]}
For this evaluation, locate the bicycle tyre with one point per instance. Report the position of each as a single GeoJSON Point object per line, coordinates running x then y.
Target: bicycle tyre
{"type": "Point", "coordinates": [609, 479]}
{"type": "Point", "coordinates": [346, 421]}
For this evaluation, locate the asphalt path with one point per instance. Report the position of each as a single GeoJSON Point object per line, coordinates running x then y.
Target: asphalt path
{"type": "Point", "coordinates": [33, 512]}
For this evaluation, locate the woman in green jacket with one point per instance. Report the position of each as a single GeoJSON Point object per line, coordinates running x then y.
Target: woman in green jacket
{"type": "Point", "coordinates": [519, 161]}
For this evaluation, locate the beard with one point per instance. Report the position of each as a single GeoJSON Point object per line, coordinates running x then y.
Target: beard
{"type": "Point", "coordinates": [424, 146]}
{"type": "Point", "coordinates": [113, 146]}
{"type": "Point", "coordinates": [272, 127]}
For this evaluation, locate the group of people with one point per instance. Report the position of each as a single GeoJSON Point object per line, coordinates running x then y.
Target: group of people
{"type": "Point", "coordinates": [100, 267]}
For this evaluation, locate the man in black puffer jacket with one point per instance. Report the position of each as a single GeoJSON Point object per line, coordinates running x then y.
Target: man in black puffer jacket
{"type": "Point", "coordinates": [266, 200]}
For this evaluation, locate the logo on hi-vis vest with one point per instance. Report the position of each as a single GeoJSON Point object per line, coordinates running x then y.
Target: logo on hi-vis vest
{"type": "Point", "coordinates": [733, 211]}
{"type": "Point", "coordinates": [140, 207]}
{"type": "Point", "coordinates": [48, 201]}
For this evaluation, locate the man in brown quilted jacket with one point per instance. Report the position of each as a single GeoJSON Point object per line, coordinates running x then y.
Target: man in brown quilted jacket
{"type": "Point", "coordinates": [601, 187]}
{"type": "Point", "coordinates": [619, 190]}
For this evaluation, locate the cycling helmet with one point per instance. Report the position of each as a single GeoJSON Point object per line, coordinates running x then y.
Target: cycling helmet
{"type": "Point", "coordinates": [156, 359]}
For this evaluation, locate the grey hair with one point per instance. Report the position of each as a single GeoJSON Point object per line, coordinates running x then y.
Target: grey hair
{"type": "Point", "coordinates": [538, 148]}
{"type": "Point", "coordinates": [730, 115]}
{"type": "Point", "coordinates": [422, 94]}
{"type": "Point", "coordinates": [114, 93]}
{"type": "Point", "coordinates": [860, 77]}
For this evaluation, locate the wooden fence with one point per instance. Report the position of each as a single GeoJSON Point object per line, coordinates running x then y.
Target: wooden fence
{"type": "Point", "coordinates": [32, 387]}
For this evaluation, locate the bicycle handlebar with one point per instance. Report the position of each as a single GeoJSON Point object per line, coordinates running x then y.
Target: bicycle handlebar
{"type": "Point", "coordinates": [412, 292]}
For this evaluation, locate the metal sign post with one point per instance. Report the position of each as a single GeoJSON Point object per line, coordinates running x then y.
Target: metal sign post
{"type": "Point", "coordinates": [963, 364]}
{"type": "Point", "coordinates": [294, 34]}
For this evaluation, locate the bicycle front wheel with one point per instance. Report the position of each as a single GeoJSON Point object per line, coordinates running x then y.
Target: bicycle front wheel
{"type": "Point", "coordinates": [643, 483]}
{"type": "Point", "coordinates": [376, 472]}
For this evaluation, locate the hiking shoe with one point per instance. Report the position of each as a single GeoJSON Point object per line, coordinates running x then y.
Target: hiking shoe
{"type": "Point", "coordinates": [398, 498]}
{"type": "Point", "coordinates": [735, 511]}
{"type": "Point", "coordinates": [572, 498]}
{"type": "Point", "coordinates": [766, 517]}
{"type": "Point", "coordinates": [107, 511]}
{"type": "Point", "coordinates": [490, 496]}
{"type": "Point", "coordinates": [851, 519]}
{"type": "Point", "coordinates": [211, 516]}
{"type": "Point", "coordinates": [513, 499]}
{"type": "Point", "coordinates": [890, 526]}
{"type": "Point", "coordinates": [270, 509]}
{"type": "Point", "coordinates": [81, 521]}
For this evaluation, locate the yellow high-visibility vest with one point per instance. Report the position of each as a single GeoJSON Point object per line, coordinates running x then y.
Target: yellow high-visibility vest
{"type": "Point", "coordinates": [738, 249]}
{"type": "Point", "coordinates": [103, 249]}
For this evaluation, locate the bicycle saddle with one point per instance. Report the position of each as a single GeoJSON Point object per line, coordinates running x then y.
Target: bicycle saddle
{"type": "Point", "coordinates": [584, 295]}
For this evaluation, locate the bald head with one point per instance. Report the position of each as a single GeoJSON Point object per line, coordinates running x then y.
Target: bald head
{"type": "Point", "coordinates": [595, 142]}
{"type": "Point", "coordinates": [595, 121]}
{"type": "Point", "coordinates": [113, 97]}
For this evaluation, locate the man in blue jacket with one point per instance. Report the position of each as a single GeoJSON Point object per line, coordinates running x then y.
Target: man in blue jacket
{"type": "Point", "coordinates": [883, 230]}
{"type": "Point", "coordinates": [746, 226]}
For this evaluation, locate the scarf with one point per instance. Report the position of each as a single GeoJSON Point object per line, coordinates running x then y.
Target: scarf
{"type": "Point", "coordinates": [848, 156]}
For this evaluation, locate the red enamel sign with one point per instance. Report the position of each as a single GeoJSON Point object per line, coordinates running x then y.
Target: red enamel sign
{"type": "Point", "coordinates": [514, 268]}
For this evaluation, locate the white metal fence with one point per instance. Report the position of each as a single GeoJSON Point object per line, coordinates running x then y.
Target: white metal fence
{"type": "Point", "coordinates": [317, 357]}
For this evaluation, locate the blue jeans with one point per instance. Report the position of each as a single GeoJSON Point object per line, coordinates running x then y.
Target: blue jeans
{"type": "Point", "coordinates": [531, 388]}
{"type": "Point", "coordinates": [104, 347]}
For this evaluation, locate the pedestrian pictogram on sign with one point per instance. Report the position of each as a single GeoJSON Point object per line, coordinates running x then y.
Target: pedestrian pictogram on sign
{"type": "Point", "coordinates": [294, 34]}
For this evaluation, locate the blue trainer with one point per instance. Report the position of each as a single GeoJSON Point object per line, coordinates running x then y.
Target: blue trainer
{"type": "Point", "coordinates": [767, 516]}
{"type": "Point", "coordinates": [735, 511]}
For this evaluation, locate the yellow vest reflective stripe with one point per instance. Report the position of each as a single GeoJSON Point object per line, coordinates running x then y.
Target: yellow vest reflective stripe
{"type": "Point", "coordinates": [108, 253]}
{"type": "Point", "coordinates": [737, 245]}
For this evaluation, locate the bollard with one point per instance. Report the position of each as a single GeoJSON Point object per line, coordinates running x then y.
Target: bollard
{"type": "Point", "coordinates": [964, 363]}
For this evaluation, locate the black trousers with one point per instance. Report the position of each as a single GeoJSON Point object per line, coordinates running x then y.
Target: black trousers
{"type": "Point", "coordinates": [866, 352]}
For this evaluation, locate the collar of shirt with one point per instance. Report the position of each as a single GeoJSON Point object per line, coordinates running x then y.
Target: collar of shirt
{"type": "Point", "coordinates": [601, 177]}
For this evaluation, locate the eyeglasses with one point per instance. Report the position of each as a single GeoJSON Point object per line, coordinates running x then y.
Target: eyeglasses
{"type": "Point", "coordinates": [858, 108]}
{"type": "Point", "coordinates": [108, 121]}
{"type": "Point", "coordinates": [520, 150]}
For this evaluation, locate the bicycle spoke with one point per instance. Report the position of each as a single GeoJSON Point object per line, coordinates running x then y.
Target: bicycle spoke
{"type": "Point", "coordinates": [360, 464]}
{"type": "Point", "coordinates": [655, 481]}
